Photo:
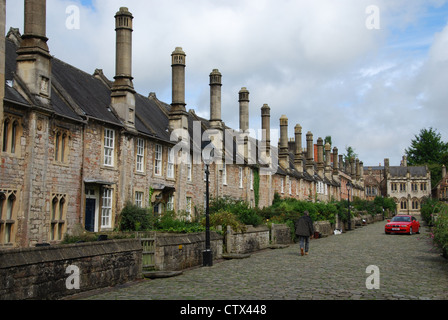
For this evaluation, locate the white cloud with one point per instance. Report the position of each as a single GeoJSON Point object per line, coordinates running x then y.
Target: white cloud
{"type": "Point", "coordinates": [314, 61]}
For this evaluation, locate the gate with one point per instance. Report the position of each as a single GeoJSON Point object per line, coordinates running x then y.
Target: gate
{"type": "Point", "coordinates": [148, 241]}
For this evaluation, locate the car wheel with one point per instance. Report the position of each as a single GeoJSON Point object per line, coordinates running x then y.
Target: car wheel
{"type": "Point", "coordinates": [418, 231]}
{"type": "Point", "coordinates": [410, 231]}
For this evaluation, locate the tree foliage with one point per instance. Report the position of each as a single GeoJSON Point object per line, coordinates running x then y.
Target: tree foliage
{"type": "Point", "coordinates": [427, 148]}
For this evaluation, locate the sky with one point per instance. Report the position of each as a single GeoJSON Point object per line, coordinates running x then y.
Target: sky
{"type": "Point", "coordinates": [369, 73]}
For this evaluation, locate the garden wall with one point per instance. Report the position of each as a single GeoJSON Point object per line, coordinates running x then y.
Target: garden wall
{"type": "Point", "coordinates": [49, 273]}
{"type": "Point", "coordinates": [175, 252]}
{"type": "Point", "coordinates": [253, 239]}
{"type": "Point", "coordinates": [280, 234]}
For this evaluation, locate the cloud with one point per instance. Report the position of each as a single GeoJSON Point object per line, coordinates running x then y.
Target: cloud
{"type": "Point", "coordinates": [314, 61]}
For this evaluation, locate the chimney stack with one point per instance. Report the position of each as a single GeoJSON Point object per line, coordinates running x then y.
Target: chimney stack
{"type": "Point", "coordinates": [33, 56]}
{"type": "Point", "coordinates": [244, 109]}
{"type": "Point", "coordinates": [443, 171]}
{"type": "Point", "coordinates": [178, 115]}
{"type": "Point", "coordinates": [266, 132]}
{"type": "Point", "coordinates": [298, 155]}
{"type": "Point", "coordinates": [284, 150]}
{"type": "Point", "coordinates": [123, 93]}
{"type": "Point", "coordinates": [310, 153]}
{"type": "Point", "coordinates": [215, 99]}
{"type": "Point", "coordinates": [320, 157]}
{"type": "Point", "coordinates": [328, 160]}
{"type": "Point", "coordinates": [335, 162]}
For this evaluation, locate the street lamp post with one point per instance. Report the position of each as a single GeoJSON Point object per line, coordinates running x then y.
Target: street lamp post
{"type": "Point", "coordinates": [349, 185]}
{"type": "Point", "coordinates": [207, 255]}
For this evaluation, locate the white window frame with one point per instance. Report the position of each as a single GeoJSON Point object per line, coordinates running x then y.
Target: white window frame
{"type": "Point", "coordinates": [189, 168]}
{"type": "Point", "coordinates": [188, 208]}
{"type": "Point", "coordinates": [158, 160]}
{"type": "Point", "coordinates": [109, 147]}
{"type": "Point", "coordinates": [224, 173]}
{"type": "Point", "coordinates": [170, 167]}
{"type": "Point", "coordinates": [251, 179]}
{"type": "Point", "coordinates": [282, 185]}
{"type": "Point", "coordinates": [241, 177]}
{"type": "Point", "coordinates": [106, 208]}
{"type": "Point", "coordinates": [170, 203]}
{"type": "Point", "coordinates": [139, 199]}
{"type": "Point", "coordinates": [140, 155]}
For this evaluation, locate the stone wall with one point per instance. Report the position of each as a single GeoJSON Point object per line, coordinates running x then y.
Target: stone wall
{"type": "Point", "coordinates": [253, 239]}
{"type": "Point", "coordinates": [280, 234]}
{"type": "Point", "coordinates": [176, 252]}
{"type": "Point", "coordinates": [49, 273]}
{"type": "Point", "coordinates": [324, 228]}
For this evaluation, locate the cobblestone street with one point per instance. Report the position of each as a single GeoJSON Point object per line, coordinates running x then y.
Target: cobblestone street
{"type": "Point", "coordinates": [335, 269]}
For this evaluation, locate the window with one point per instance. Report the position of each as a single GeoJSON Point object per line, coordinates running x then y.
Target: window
{"type": "Point", "coordinates": [282, 186]}
{"type": "Point", "coordinates": [11, 134]}
{"type": "Point", "coordinates": [139, 199]}
{"type": "Point", "coordinates": [402, 187]}
{"type": "Point", "coordinates": [61, 149]}
{"type": "Point", "coordinates": [241, 177]}
{"type": "Point", "coordinates": [140, 155]}
{"type": "Point", "coordinates": [8, 215]}
{"type": "Point", "coordinates": [403, 204]}
{"type": "Point", "coordinates": [170, 203]}
{"type": "Point", "coordinates": [188, 208]}
{"type": "Point", "coordinates": [423, 187]}
{"type": "Point", "coordinates": [109, 147]}
{"type": "Point", "coordinates": [289, 185]}
{"type": "Point", "coordinates": [224, 174]}
{"type": "Point", "coordinates": [170, 167]}
{"type": "Point", "coordinates": [158, 161]}
{"type": "Point", "coordinates": [251, 179]}
{"type": "Point", "coordinates": [106, 210]}
{"type": "Point", "coordinates": [57, 223]}
{"type": "Point", "coordinates": [189, 167]}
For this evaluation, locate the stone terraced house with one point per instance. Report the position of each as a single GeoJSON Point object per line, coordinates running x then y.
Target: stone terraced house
{"type": "Point", "coordinates": [76, 147]}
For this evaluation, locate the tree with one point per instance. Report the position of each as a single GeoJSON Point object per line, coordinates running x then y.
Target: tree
{"type": "Point", "coordinates": [350, 154]}
{"type": "Point", "coordinates": [427, 148]}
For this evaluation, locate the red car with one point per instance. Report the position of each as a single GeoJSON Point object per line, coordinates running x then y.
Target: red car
{"type": "Point", "coordinates": [402, 224]}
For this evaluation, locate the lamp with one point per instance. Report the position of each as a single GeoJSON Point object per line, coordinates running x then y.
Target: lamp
{"type": "Point", "coordinates": [207, 254]}
{"type": "Point", "coordinates": [349, 186]}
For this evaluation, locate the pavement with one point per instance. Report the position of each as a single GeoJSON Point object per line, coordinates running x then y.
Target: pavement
{"type": "Point", "coordinates": [362, 264]}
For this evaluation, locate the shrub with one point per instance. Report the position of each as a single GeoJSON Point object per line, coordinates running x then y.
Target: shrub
{"type": "Point", "coordinates": [134, 218]}
{"type": "Point", "coordinates": [440, 229]}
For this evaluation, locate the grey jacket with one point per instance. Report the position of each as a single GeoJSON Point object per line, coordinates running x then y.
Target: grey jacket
{"type": "Point", "coordinates": [304, 226]}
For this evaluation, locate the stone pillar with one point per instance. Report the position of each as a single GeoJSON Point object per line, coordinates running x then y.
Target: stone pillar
{"type": "Point", "coordinates": [284, 150]}
{"type": "Point", "coordinates": [215, 99]}
{"type": "Point", "coordinates": [123, 93]}
{"type": "Point", "coordinates": [298, 155]}
{"type": "Point", "coordinates": [33, 56]}
{"type": "Point", "coordinates": [310, 153]}
{"type": "Point", "coordinates": [178, 115]}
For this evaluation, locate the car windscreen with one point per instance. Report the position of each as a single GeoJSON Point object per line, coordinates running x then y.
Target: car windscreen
{"type": "Point", "coordinates": [401, 219]}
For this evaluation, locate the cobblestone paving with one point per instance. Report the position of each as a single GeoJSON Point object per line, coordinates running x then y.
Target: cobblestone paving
{"type": "Point", "coordinates": [335, 269]}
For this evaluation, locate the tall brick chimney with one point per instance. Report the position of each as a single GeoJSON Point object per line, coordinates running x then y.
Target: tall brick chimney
{"type": "Point", "coordinates": [335, 162]}
{"type": "Point", "coordinates": [320, 157]}
{"type": "Point", "coordinates": [33, 55]}
{"type": "Point", "coordinates": [284, 150]}
{"type": "Point", "coordinates": [244, 109]}
{"type": "Point", "coordinates": [266, 131]}
{"type": "Point", "coordinates": [298, 155]}
{"type": "Point", "coordinates": [309, 153]}
{"type": "Point", "coordinates": [178, 115]}
{"type": "Point", "coordinates": [123, 93]}
{"type": "Point", "coordinates": [215, 99]}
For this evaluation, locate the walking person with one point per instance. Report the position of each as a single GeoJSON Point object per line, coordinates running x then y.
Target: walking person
{"type": "Point", "coordinates": [304, 229]}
